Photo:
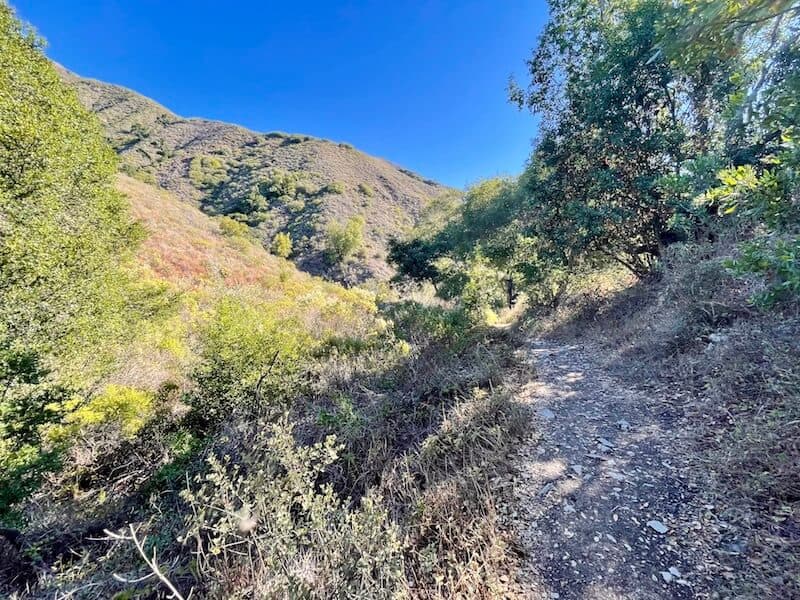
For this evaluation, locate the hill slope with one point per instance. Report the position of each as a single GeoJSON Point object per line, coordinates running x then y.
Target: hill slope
{"type": "Point", "coordinates": [227, 169]}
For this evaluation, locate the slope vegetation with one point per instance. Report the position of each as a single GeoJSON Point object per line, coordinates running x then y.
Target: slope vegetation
{"type": "Point", "coordinates": [273, 182]}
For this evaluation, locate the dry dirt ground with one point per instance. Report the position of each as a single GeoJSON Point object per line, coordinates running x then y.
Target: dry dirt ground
{"type": "Point", "coordinates": [603, 497]}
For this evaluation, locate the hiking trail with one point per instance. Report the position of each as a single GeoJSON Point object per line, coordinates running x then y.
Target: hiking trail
{"type": "Point", "coordinates": [602, 497]}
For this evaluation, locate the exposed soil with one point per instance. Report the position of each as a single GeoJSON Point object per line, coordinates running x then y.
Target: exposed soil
{"type": "Point", "coordinates": [604, 501]}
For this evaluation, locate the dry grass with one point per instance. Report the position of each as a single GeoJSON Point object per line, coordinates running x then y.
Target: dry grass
{"type": "Point", "coordinates": [187, 248]}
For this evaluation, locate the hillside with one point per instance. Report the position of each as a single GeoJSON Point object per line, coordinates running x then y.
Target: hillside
{"type": "Point", "coordinates": [274, 182]}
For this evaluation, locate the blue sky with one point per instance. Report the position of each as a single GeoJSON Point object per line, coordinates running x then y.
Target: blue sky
{"type": "Point", "coordinates": [421, 83]}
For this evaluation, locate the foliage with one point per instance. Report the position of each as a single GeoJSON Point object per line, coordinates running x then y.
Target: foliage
{"type": "Point", "coordinates": [69, 298]}
{"type": "Point", "coordinates": [233, 228]}
{"type": "Point", "coordinates": [206, 172]}
{"type": "Point", "coordinates": [250, 358]}
{"type": "Point", "coordinates": [125, 408]}
{"type": "Point", "coordinates": [342, 241]}
{"type": "Point", "coordinates": [301, 539]}
{"type": "Point", "coordinates": [366, 190]}
{"type": "Point", "coordinates": [335, 187]}
{"type": "Point", "coordinates": [282, 245]}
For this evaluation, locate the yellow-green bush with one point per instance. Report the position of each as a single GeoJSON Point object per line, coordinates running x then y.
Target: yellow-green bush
{"type": "Point", "coordinates": [233, 228]}
{"type": "Point", "coordinates": [124, 407]}
{"type": "Point", "coordinates": [250, 355]}
{"type": "Point", "coordinates": [344, 240]}
{"type": "Point", "coordinates": [282, 245]}
{"type": "Point", "coordinates": [207, 171]}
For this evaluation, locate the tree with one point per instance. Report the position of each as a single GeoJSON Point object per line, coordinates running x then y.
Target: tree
{"type": "Point", "coordinates": [282, 245]}
{"type": "Point", "coordinates": [67, 299]}
{"type": "Point", "coordinates": [344, 240]}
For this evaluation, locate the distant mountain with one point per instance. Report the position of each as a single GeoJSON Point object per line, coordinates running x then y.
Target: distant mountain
{"type": "Point", "coordinates": [274, 182]}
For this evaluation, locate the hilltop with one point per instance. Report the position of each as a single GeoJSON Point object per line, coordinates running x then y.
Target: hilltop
{"type": "Point", "coordinates": [274, 182]}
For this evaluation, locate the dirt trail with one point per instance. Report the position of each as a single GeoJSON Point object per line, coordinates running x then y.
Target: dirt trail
{"type": "Point", "coordinates": [603, 500]}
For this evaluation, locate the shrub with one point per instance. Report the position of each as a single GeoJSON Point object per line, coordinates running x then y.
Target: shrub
{"type": "Point", "coordinates": [282, 245]}
{"type": "Point", "coordinates": [344, 240]}
{"type": "Point", "coordinates": [250, 358]}
{"type": "Point", "coordinates": [366, 190]}
{"type": "Point", "coordinates": [335, 187]}
{"type": "Point", "coordinates": [207, 172]}
{"type": "Point", "coordinates": [233, 228]}
{"type": "Point", "coordinates": [279, 183]}
{"type": "Point", "coordinates": [267, 523]}
{"type": "Point", "coordinates": [69, 300]}
{"type": "Point", "coordinates": [124, 408]}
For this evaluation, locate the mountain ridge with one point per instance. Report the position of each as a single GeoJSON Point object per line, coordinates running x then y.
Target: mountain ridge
{"type": "Point", "coordinates": [274, 182]}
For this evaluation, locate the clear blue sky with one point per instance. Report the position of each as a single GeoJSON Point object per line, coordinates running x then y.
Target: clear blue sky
{"type": "Point", "coordinates": [419, 82]}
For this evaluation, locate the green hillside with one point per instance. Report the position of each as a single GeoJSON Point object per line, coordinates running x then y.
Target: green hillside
{"type": "Point", "coordinates": [273, 182]}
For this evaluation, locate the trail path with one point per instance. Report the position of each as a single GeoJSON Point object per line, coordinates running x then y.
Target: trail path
{"type": "Point", "coordinates": [603, 499]}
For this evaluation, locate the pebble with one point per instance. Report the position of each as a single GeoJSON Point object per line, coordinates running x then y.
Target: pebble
{"type": "Point", "coordinates": [547, 414]}
{"type": "Point", "coordinates": [657, 526]}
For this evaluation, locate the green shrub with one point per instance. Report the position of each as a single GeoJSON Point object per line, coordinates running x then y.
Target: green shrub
{"type": "Point", "coordinates": [206, 172]}
{"type": "Point", "coordinates": [344, 240]}
{"type": "Point", "coordinates": [259, 522]}
{"type": "Point", "coordinates": [69, 300]}
{"type": "Point", "coordinates": [233, 228]}
{"type": "Point", "coordinates": [335, 187]}
{"type": "Point", "coordinates": [279, 183]}
{"type": "Point", "coordinates": [126, 409]}
{"type": "Point", "coordinates": [251, 355]}
{"type": "Point", "coordinates": [366, 190]}
{"type": "Point", "coordinates": [282, 245]}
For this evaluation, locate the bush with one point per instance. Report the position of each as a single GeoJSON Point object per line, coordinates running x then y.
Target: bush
{"type": "Point", "coordinates": [124, 408]}
{"type": "Point", "coordinates": [344, 240]}
{"type": "Point", "coordinates": [279, 183]}
{"type": "Point", "coordinates": [206, 172]}
{"type": "Point", "coordinates": [335, 187]}
{"type": "Point", "coordinates": [233, 228]}
{"type": "Point", "coordinates": [282, 245]}
{"type": "Point", "coordinates": [69, 301]}
{"type": "Point", "coordinates": [251, 355]}
{"type": "Point", "coordinates": [366, 190]}
{"type": "Point", "coordinates": [267, 524]}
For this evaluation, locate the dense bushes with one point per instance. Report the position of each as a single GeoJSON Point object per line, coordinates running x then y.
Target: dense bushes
{"type": "Point", "coordinates": [68, 300]}
{"type": "Point", "coordinates": [302, 540]}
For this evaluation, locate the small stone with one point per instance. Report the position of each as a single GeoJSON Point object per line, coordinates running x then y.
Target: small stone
{"type": "Point", "coordinates": [547, 414]}
{"type": "Point", "coordinates": [675, 572]}
{"type": "Point", "coordinates": [737, 547]}
{"type": "Point", "coordinates": [605, 442]}
{"type": "Point", "coordinates": [667, 576]}
{"type": "Point", "coordinates": [577, 469]}
{"type": "Point", "coordinates": [657, 526]}
{"type": "Point", "coordinates": [623, 424]}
